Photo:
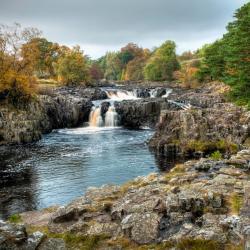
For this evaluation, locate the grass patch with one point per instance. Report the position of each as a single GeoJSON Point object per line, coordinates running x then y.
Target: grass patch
{"type": "Point", "coordinates": [178, 170]}
{"type": "Point", "coordinates": [126, 244]}
{"type": "Point", "coordinates": [221, 146]}
{"type": "Point", "coordinates": [15, 218]}
{"type": "Point", "coordinates": [235, 203]}
{"type": "Point", "coordinates": [198, 244]}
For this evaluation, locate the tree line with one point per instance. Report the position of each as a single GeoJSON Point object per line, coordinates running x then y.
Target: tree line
{"type": "Point", "coordinates": [27, 57]}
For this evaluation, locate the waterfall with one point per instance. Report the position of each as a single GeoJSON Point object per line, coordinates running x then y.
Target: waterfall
{"type": "Point", "coordinates": [168, 92]}
{"type": "Point", "coordinates": [120, 95]}
{"type": "Point", "coordinates": [95, 118]}
{"type": "Point", "coordinates": [110, 118]}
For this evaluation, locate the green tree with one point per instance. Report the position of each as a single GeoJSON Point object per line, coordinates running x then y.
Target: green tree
{"type": "Point", "coordinates": [213, 62]}
{"type": "Point", "coordinates": [113, 66]}
{"type": "Point", "coordinates": [162, 64]}
{"type": "Point", "coordinates": [237, 43]}
{"type": "Point", "coordinates": [72, 68]}
{"type": "Point", "coordinates": [228, 59]}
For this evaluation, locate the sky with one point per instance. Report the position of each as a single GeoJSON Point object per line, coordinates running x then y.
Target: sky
{"type": "Point", "coordinates": [107, 25]}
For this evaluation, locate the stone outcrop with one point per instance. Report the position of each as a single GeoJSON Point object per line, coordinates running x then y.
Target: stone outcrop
{"type": "Point", "coordinates": [203, 200]}
{"type": "Point", "coordinates": [137, 113]}
{"type": "Point", "coordinates": [209, 124]}
{"type": "Point", "coordinates": [63, 108]}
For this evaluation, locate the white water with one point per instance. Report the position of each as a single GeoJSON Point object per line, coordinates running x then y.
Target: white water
{"type": "Point", "coordinates": [110, 118]}
{"type": "Point", "coordinates": [168, 92]}
{"type": "Point", "coordinates": [95, 118]}
{"type": "Point", "coordinates": [121, 95]}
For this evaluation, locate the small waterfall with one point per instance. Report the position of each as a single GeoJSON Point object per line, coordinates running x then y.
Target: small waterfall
{"type": "Point", "coordinates": [168, 92]}
{"type": "Point", "coordinates": [120, 94]}
{"type": "Point", "coordinates": [95, 118]}
{"type": "Point", "coordinates": [110, 119]}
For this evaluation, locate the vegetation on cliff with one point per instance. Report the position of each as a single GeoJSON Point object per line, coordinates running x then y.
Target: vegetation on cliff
{"type": "Point", "coordinates": [228, 59]}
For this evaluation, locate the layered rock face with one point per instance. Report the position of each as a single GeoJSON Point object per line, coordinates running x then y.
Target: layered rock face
{"type": "Point", "coordinates": [65, 107]}
{"type": "Point", "coordinates": [208, 125]}
{"type": "Point", "coordinates": [137, 113]}
{"type": "Point", "coordinates": [203, 200]}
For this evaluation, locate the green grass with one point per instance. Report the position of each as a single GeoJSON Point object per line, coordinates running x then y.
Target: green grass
{"type": "Point", "coordinates": [236, 203]}
{"type": "Point", "coordinates": [15, 218]}
{"type": "Point", "coordinates": [198, 244]}
{"type": "Point", "coordinates": [216, 155]}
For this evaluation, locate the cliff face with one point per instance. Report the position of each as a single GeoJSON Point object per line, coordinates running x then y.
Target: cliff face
{"type": "Point", "coordinates": [209, 124]}
{"type": "Point", "coordinates": [65, 107]}
{"type": "Point", "coordinates": [205, 202]}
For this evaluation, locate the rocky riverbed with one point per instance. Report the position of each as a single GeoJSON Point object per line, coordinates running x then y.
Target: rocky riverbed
{"type": "Point", "coordinates": [202, 203]}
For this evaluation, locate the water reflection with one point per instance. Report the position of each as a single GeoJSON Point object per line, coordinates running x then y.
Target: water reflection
{"type": "Point", "coordinates": [65, 163]}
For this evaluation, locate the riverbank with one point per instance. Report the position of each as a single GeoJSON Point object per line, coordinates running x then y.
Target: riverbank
{"type": "Point", "coordinates": [202, 203]}
{"type": "Point", "coordinates": [198, 202]}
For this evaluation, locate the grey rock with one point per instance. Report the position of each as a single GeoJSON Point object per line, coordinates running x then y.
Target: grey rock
{"type": "Point", "coordinates": [53, 244]}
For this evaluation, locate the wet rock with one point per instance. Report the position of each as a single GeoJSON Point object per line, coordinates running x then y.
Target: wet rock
{"type": "Point", "coordinates": [138, 113]}
{"type": "Point", "coordinates": [158, 92]}
{"type": "Point", "coordinates": [104, 108]}
{"type": "Point", "coordinates": [142, 93]}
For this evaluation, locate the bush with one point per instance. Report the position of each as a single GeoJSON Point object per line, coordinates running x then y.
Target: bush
{"type": "Point", "coordinates": [216, 155]}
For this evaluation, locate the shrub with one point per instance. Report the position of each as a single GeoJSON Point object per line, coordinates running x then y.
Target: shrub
{"type": "Point", "coordinates": [216, 155]}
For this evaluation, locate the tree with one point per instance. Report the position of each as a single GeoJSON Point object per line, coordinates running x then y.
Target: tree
{"type": "Point", "coordinates": [162, 64]}
{"type": "Point", "coordinates": [71, 68]}
{"type": "Point", "coordinates": [228, 59]}
{"type": "Point", "coordinates": [16, 79]}
{"type": "Point", "coordinates": [46, 54]}
{"type": "Point", "coordinates": [213, 64]}
{"type": "Point", "coordinates": [237, 46]}
{"type": "Point", "coordinates": [129, 52]}
{"type": "Point", "coordinates": [134, 69]}
{"type": "Point", "coordinates": [113, 66]}
{"type": "Point", "coordinates": [96, 72]}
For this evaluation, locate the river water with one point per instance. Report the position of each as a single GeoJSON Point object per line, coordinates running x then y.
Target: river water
{"type": "Point", "coordinates": [61, 166]}
{"type": "Point", "coordinates": [66, 162]}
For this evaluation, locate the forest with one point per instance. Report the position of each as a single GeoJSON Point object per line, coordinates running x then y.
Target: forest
{"type": "Point", "coordinates": [27, 57]}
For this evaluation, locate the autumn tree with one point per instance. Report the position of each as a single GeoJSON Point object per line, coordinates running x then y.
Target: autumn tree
{"type": "Point", "coordinates": [43, 54]}
{"type": "Point", "coordinates": [72, 68]}
{"type": "Point", "coordinates": [129, 52]}
{"type": "Point", "coordinates": [16, 78]}
{"type": "Point", "coordinates": [162, 64]}
{"type": "Point", "coordinates": [96, 72]}
{"type": "Point", "coordinates": [134, 69]}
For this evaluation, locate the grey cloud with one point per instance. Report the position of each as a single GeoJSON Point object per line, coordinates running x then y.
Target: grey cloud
{"type": "Point", "coordinates": [108, 23]}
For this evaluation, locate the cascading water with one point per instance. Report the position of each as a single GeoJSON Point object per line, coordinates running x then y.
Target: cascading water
{"type": "Point", "coordinates": [120, 95]}
{"type": "Point", "coordinates": [95, 118]}
{"type": "Point", "coordinates": [110, 118]}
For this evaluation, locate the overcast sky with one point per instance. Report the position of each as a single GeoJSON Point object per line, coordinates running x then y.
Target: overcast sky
{"type": "Point", "coordinates": [101, 25]}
